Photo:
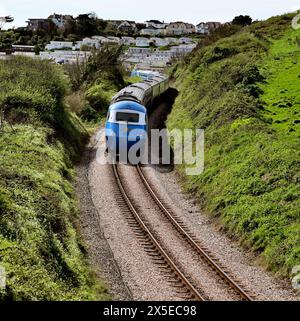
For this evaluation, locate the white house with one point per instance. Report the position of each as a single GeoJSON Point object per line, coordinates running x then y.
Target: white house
{"type": "Point", "coordinates": [171, 40]}
{"type": "Point", "coordinates": [60, 20]}
{"type": "Point", "coordinates": [156, 24]}
{"type": "Point", "coordinates": [127, 26]}
{"type": "Point", "coordinates": [180, 28]}
{"type": "Point", "coordinates": [183, 49]}
{"type": "Point", "coordinates": [142, 42]}
{"type": "Point", "coordinates": [77, 45]}
{"type": "Point", "coordinates": [207, 27]}
{"type": "Point", "coordinates": [140, 51]}
{"type": "Point", "coordinates": [159, 42]}
{"type": "Point", "coordinates": [56, 45]}
{"type": "Point", "coordinates": [113, 40]}
{"type": "Point", "coordinates": [65, 56]}
{"type": "Point", "coordinates": [128, 41]}
{"type": "Point", "coordinates": [100, 38]}
{"type": "Point", "coordinates": [90, 42]}
{"type": "Point", "coordinates": [185, 40]}
{"type": "Point", "coordinates": [151, 31]}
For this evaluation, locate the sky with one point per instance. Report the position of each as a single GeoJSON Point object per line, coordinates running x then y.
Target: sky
{"type": "Point", "coordinates": [193, 11]}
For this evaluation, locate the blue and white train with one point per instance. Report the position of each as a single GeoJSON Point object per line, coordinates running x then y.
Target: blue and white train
{"type": "Point", "coordinates": [127, 120]}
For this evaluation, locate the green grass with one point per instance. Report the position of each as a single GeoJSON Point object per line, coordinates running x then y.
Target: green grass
{"type": "Point", "coordinates": [281, 91]}
{"type": "Point", "coordinates": [40, 246]}
{"type": "Point", "coordinates": [233, 88]}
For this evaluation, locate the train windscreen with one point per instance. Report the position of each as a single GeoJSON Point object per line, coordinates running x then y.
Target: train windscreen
{"type": "Point", "coordinates": [128, 117]}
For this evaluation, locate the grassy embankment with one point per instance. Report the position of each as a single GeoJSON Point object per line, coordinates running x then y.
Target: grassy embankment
{"type": "Point", "coordinates": [39, 244]}
{"type": "Point", "coordinates": [243, 90]}
{"type": "Point", "coordinates": [94, 84]}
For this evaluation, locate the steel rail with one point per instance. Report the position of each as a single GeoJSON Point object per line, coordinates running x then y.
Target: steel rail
{"type": "Point", "coordinates": [227, 278]}
{"type": "Point", "coordinates": [154, 241]}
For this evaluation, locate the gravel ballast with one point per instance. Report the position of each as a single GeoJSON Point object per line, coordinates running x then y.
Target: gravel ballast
{"type": "Point", "coordinates": [121, 261]}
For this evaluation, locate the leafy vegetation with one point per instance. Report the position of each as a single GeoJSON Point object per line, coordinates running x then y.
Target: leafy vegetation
{"type": "Point", "coordinates": [95, 83]}
{"type": "Point", "coordinates": [242, 87]}
{"type": "Point", "coordinates": [39, 244]}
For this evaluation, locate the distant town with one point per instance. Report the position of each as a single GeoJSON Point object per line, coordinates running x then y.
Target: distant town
{"type": "Point", "coordinates": [150, 28]}
{"type": "Point", "coordinates": [152, 43]}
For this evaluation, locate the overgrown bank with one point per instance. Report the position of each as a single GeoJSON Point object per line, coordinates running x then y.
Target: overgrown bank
{"type": "Point", "coordinates": [40, 247]}
{"type": "Point", "coordinates": [242, 87]}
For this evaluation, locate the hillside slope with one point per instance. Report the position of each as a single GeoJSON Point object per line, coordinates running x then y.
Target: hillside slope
{"type": "Point", "coordinates": [243, 90]}
{"type": "Point", "coordinates": [39, 244]}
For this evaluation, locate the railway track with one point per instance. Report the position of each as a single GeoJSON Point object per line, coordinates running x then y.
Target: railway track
{"type": "Point", "coordinates": [155, 249]}
{"type": "Point", "coordinates": [191, 239]}
{"type": "Point", "coordinates": [152, 245]}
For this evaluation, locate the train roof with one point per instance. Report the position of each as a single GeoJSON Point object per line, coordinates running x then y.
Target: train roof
{"type": "Point", "coordinates": [136, 92]}
{"type": "Point", "coordinates": [128, 105]}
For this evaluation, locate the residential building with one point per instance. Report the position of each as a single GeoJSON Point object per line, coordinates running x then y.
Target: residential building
{"type": "Point", "coordinates": [206, 28]}
{"type": "Point", "coordinates": [60, 20]}
{"type": "Point", "coordinates": [22, 48]}
{"type": "Point", "coordinates": [65, 57]}
{"type": "Point", "coordinates": [151, 31]}
{"type": "Point", "coordinates": [128, 41]}
{"type": "Point", "coordinates": [171, 40]}
{"type": "Point", "coordinates": [127, 27]}
{"type": "Point", "coordinates": [57, 45]}
{"type": "Point", "coordinates": [142, 42]}
{"type": "Point", "coordinates": [101, 39]}
{"type": "Point", "coordinates": [136, 50]}
{"type": "Point", "coordinates": [156, 24]}
{"type": "Point", "coordinates": [39, 24]}
{"type": "Point", "coordinates": [180, 28]}
{"type": "Point", "coordinates": [113, 40]}
{"type": "Point", "coordinates": [185, 40]}
{"type": "Point", "coordinates": [90, 42]}
{"type": "Point", "coordinates": [159, 42]}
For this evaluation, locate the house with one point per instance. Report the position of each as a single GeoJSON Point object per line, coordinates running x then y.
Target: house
{"type": "Point", "coordinates": [142, 42]}
{"type": "Point", "coordinates": [59, 20]}
{"type": "Point", "coordinates": [65, 57]}
{"type": "Point", "coordinates": [185, 40]}
{"type": "Point", "coordinates": [180, 28]}
{"type": "Point", "coordinates": [127, 41]}
{"type": "Point", "coordinates": [35, 24]}
{"type": "Point", "coordinates": [58, 45]}
{"type": "Point", "coordinates": [151, 31]}
{"type": "Point", "coordinates": [206, 28]}
{"type": "Point", "coordinates": [77, 45]}
{"type": "Point", "coordinates": [113, 40]}
{"type": "Point", "coordinates": [159, 42]}
{"type": "Point", "coordinates": [156, 24]}
{"type": "Point", "coordinates": [101, 39]}
{"type": "Point", "coordinates": [127, 27]}
{"type": "Point", "coordinates": [183, 49]}
{"type": "Point", "coordinates": [138, 51]}
{"type": "Point", "coordinates": [171, 40]}
{"type": "Point", "coordinates": [90, 42]}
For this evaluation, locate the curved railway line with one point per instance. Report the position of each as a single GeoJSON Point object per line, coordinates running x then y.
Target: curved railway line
{"type": "Point", "coordinates": [153, 246]}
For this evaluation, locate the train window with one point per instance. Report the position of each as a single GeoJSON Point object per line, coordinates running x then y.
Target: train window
{"type": "Point", "coordinates": [128, 117]}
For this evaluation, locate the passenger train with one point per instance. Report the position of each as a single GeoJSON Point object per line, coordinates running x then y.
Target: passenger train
{"type": "Point", "coordinates": [127, 119]}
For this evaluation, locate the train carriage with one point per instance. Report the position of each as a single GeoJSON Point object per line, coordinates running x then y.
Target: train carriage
{"type": "Point", "coordinates": [127, 121]}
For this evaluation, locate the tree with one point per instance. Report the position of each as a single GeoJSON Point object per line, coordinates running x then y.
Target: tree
{"type": "Point", "coordinates": [86, 24]}
{"type": "Point", "coordinates": [4, 20]}
{"type": "Point", "coordinates": [242, 20]}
